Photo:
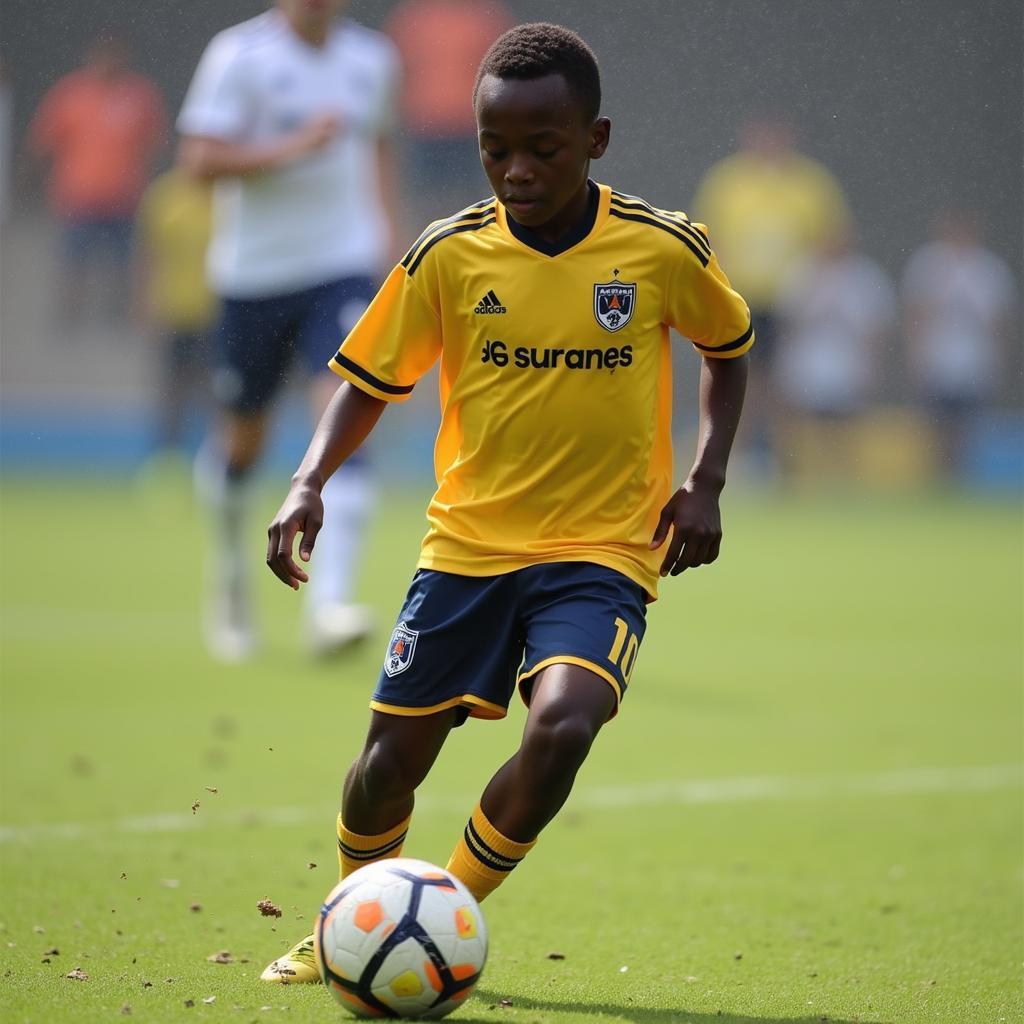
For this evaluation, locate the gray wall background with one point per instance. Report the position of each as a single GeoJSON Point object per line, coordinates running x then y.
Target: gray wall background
{"type": "Point", "coordinates": [914, 105]}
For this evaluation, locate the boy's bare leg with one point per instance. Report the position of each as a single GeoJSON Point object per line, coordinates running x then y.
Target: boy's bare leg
{"type": "Point", "coordinates": [376, 807]}
{"type": "Point", "coordinates": [568, 708]}
{"type": "Point", "coordinates": [398, 752]}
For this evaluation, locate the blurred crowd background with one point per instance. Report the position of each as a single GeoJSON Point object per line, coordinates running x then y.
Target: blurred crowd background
{"type": "Point", "coordinates": [858, 164]}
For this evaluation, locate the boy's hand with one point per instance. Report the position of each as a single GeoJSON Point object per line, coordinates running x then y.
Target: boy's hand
{"type": "Point", "coordinates": [696, 522]}
{"type": "Point", "coordinates": [302, 512]}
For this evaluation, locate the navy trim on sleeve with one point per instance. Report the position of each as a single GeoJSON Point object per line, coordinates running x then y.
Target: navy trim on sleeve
{"type": "Point", "coordinates": [471, 213]}
{"type": "Point", "coordinates": [677, 220]}
{"type": "Point", "coordinates": [375, 382]}
{"type": "Point", "coordinates": [738, 343]}
{"type": "Point", "coordinates": [675, 231]}
{"type": "Point", "coordinates": [411, 268]}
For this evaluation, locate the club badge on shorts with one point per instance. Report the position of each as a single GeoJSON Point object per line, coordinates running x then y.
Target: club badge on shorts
{"type": "Point", "coordinates": [613, 304]}
{"type": "Point", "coordinates": [400, 650]}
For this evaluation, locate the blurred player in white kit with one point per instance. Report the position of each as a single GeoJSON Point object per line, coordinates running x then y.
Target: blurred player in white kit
{"type": "Point", "coordinates": [960, 302]}
{"type": "Point", "coordinates": [290, 114]}
{"type": "Point", "coordinates": [836, 314]}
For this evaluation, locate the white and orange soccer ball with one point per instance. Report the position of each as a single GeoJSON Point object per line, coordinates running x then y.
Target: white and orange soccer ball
{"type": "Point", "coordinates": [400, 938]}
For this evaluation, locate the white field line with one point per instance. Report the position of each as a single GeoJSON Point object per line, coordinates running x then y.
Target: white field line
{"type": "Point", "coordinates": [758, 788]}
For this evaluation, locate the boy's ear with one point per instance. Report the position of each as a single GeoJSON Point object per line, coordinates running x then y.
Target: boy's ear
{"type": "Point", "coordinates": [600, 133]}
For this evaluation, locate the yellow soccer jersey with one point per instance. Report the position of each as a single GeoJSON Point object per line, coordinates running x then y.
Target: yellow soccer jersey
{"type": "Point", "coordinates": [555, 440]}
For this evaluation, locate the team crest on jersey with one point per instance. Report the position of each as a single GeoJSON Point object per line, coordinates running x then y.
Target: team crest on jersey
{"type": "Point", "coordinates": [614, 303]}
{"type": "Point", "coordinates": [400, 650]}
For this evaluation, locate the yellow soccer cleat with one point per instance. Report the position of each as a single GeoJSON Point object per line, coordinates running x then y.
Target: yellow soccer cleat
{"type": "Point", "coordinates": [297, 967]}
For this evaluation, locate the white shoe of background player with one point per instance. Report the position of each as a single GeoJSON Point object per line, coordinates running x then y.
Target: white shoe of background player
{"type": "Point", "coordinates": [334, 628]}
{"type": "Point", "coordinates": [230, 634]}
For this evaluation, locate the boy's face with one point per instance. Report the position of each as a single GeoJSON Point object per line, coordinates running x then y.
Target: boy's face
{"type": "Point", "coordinates": [536, 145]}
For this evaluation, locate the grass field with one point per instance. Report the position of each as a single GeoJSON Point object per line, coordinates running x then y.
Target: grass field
{"type": "Point", "coordinates": [809, 809]}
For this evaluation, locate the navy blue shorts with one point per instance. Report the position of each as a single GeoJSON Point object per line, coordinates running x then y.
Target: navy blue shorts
{"type": "Point", "coordinates": [257, 340]}
{"type": "Point", "coordinates": [467, 641]}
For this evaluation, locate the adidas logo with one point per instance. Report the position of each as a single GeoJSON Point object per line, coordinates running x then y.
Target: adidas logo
{"type": "Point", "coordinates": [490, 303]}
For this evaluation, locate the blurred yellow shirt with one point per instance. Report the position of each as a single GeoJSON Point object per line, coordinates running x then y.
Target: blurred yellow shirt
{"type": "Point", "coordinates": [556, 379]}
{"type": "Point", "coordinates": [769, 217]}
{"type": "Point", "coordinates": [175, 222]}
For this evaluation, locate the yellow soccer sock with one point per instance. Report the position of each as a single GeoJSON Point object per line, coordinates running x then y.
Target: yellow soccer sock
{"type": "Point", "coordinates": [356, 851]}
{"type": "Point", "coordinates": [483, 857]}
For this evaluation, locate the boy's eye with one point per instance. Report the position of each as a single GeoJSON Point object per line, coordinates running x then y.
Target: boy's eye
{"type": "Point", "coordinates": [545, 154]}
{"type": "Point", "coordinates": [495, 154]}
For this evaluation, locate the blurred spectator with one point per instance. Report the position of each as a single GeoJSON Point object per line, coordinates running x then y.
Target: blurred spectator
{"type": "Point", "coordinates": [290, 114]}
{"type": "Point", "coordinates": [442, 43]}
{"type": "Point", "coordinates": [959, 303]}
{"type": "Point", "coordinates": [100, 127]}
{"type": "Point", "coordinates": [770, 209]}
{"type": "Point", "coordinates": [173, 235]}
{"type": "Point", "coordinates": [6, 111]}
{"type": "Point", "coordinates": [835, 313]}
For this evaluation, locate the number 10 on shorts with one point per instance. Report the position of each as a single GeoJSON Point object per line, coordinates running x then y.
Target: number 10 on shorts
{"type": "Point", "coordinates": [624, 648]}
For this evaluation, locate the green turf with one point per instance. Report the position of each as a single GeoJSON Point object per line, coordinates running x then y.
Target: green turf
{"type": "Point", "coordinates": [836, 649]}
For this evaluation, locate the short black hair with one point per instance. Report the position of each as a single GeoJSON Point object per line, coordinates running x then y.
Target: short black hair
{"type": "Point", "coordinates": [538, 49]}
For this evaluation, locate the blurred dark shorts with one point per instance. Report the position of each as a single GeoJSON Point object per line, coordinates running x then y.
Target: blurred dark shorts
{"type": "Point", "coordinates": [467, 641]}
{"type": "Point", "coordinates": [88, 237]}
{"type": "Point", "coordinates": [258, 341]}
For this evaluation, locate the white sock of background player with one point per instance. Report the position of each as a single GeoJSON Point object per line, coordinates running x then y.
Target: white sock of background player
{"type": "Point", "coordinates": [348, 501]}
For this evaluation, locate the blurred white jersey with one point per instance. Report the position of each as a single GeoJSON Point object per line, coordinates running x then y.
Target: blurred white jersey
{"type": "Point", "coordinates": [321, 217]}
{"type": "Point", "coordinates": [834, 313]}
{"type": "Point", "coordinates": [962, 294]}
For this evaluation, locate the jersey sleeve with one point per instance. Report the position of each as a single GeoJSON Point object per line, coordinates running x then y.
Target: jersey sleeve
{"type": "Point", "coordinates": [218, 101]}
{"type": "Point", "coordinates": [394, 343]}
{"type": "Point", "coordinates": [702, 305]}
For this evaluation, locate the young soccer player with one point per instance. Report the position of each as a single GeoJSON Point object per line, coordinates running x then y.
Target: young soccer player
{"type": "Point", "coordinates": [549, 306]}
{"type": "Point", "coordinates": [290, 115]}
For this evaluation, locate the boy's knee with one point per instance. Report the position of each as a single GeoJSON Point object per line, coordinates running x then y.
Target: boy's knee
{"type": "Point", "coordinates": [560, 740]}
{"type": "Point", "coordinates": [387, 771]}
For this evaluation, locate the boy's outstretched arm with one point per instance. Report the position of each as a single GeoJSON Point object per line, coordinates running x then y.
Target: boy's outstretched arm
{"type": "Point", "coordinates": [345, 424]}
{"type": "Point", "coordinates": [692, 513]}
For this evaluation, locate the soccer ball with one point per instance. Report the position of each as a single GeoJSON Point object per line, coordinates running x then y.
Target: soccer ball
{"type": "Point", "coordinates": [400, 938]}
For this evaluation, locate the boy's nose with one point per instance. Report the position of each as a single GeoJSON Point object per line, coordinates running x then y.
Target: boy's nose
{"type": "Point", "coordinates": [519, 171]}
